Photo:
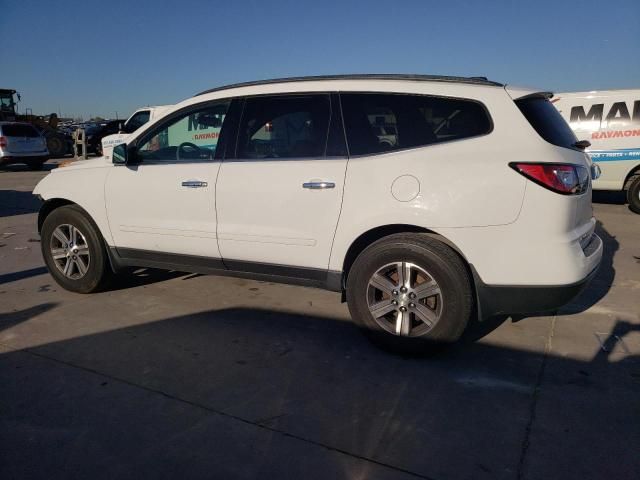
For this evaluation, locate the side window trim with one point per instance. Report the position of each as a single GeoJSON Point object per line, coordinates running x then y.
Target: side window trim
{"type": "Point", "coordinates": [165, 122]}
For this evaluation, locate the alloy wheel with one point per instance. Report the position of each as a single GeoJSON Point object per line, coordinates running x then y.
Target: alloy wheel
{"type": "Point", "coordinates": [404, 299]}
{"type": "Point", "coordinates": [70, 251]}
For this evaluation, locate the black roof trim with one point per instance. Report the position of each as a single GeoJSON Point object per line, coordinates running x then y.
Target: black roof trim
{"type": "Point", "coordinates": [366, 76]}
{"type": "Point", "coordinates": [545, 95]}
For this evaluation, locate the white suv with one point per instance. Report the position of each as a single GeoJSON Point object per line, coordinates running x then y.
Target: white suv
{"type": "Point", "coordinates": [481, 204]}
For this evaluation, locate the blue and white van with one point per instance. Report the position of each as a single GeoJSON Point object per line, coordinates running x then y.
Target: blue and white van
{"type": "Point", "coordinates": [610, 120]}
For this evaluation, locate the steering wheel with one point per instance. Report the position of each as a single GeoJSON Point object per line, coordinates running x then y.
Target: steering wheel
{"type": "Point", "coordinates": [188, 148]}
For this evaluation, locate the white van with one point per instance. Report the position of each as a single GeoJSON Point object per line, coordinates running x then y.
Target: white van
{"type": "Point", "coordinates": [610, 120]}
{"type": "Point", "coordinates": [139, 118]}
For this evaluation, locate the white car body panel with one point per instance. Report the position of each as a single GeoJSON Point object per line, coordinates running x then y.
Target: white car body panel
{"type": "Point", "coordinates": [149, 209]}
{"type": "Point", "coordinates": [82, 183]}
{"type": "Point", "coordinates": [267, 216]}
{"type": "Point", "coordinates": [610, 120]}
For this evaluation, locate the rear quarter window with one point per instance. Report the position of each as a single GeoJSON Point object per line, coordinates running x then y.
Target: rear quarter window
{"type": "Point", "coordinates": [547, 121]}
{"type": "Point", "coordinates": [19, 131]}
{"type": "Point", "coordinates": [381, 122]}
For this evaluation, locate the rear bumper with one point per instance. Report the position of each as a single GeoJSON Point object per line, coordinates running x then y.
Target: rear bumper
{"type": "Point", "coordinates": [528, 299]}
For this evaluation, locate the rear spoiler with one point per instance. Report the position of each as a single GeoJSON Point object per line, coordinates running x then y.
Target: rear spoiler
{"type": "Point", "coordinates": [518, 93]}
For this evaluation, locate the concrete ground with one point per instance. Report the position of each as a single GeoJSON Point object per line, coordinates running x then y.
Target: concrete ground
{"type": "Point", "coordinates": [176, 375]}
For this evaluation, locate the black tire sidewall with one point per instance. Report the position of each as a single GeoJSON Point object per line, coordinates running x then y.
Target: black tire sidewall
{"type": "Point", "coordinates": [97, 265]}
{"type": "Point", "coordinates": [455, 287]}
{"type": "Point", "coordinates": [55, 145]}
{"type": "Point", "coordinates": [633, 196]}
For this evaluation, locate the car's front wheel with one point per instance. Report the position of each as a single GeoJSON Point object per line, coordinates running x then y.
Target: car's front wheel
{"type": "Point", "coordinates": [73, 250]}
{"type": "Point", "coordinates": [410, 292]}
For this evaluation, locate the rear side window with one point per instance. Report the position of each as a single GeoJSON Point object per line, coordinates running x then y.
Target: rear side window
{"type": "Point", "coordinates": [377, 123]}
{"type": "Point", "coordinates": [547, 121]}
{"type": "Point", "coordinates": [19, 131]}
{"type": "Point", "coordinates": [295, 126]}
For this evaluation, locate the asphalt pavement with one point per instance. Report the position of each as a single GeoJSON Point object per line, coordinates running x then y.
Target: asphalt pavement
{"type": "Point", "coordinates": [176, 375]}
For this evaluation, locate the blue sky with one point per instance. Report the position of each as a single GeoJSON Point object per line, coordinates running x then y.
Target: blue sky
{"type": "Point", "coordinates": [98, 57]}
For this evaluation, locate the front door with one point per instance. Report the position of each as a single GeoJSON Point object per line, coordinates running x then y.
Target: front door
{"type": "Point", "coordinates": [278, 198]}
{"type": "Point", "coordinates": [166, 202]}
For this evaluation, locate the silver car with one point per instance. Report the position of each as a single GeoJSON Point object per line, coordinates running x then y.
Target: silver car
{"type": "Point", "coordinates": [22, 143]}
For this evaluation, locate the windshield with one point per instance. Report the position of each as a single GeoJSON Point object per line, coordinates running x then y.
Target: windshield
{"type": "Point", "coordinates": [6, 101]}
{"type": "Point", "coordinates": [136, 121]}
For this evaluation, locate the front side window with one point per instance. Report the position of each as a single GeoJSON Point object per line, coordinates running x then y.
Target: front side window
{"type": "Point", "coordinates": [293, 126]}
{"type": "Point", "coordinates": [192, 136]}
{"type": "Point", "coordinates": [377, 123]}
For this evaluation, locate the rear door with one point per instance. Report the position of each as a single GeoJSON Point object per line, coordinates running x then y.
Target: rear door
{"type": "Point", "coordinates": [279, 195]}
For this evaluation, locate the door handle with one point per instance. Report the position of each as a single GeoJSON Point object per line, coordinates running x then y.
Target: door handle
{"type": "Point", "coordinates": [318, 185]}
{"type": "Point", "coordinates": [194, 184]}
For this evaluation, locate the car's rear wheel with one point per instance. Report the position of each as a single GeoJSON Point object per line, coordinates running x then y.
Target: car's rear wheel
{"type": "Point", "coordinates": [74, 251]}
{"type": "Point", "coordinates": [633, 195]}
{"type": "Point", "coordinates": [410, 292]}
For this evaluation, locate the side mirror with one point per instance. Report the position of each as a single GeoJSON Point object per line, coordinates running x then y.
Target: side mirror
{"type": "Point", "coordinates": [119, 154]}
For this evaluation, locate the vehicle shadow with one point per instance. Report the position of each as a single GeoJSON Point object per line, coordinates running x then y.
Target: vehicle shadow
{"type": "Point", "coordinates": [15, 276]}
{"type": "Point", "coordinates": [136, 277]}
{"type": "Point", "coordinates": [129, 278]}
{"type": "Point", "coordinates": [16, 202]}
{"type": "Point", "coordinates": [8, 320]}
{"type": "Point", "coordinates": [23, 167]}
{"type": "Point", "coordinates": [603, 281]}
{"type": "Point", "coordinates": [244, 391]}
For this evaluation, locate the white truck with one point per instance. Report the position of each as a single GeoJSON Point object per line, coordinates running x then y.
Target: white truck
{"type": "Point", "coordinates": [610, 120]}
{"type": "Point", "coordinates": [133, 123]}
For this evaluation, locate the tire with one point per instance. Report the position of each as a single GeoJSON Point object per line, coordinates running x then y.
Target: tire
{"type": "Point", "coordinates": [98, 149]}
{"type": "Point", "coordinates": [633, 195]}
{"type": "Point", "coordinates": [89, 249]}
{"type": "Point", "coordinates": [450, 304]}
{"type": "Point", "coordinates": [56, 146]}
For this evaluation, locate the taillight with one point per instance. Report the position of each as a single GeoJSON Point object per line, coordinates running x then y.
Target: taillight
{"type": "Point", "coordinates": [564, 178]}
{"type": "Point", "coordinates": [3, 142]}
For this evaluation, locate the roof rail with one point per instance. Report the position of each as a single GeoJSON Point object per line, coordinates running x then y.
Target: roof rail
{"type": "Point", "coordinates": [365, 76]}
